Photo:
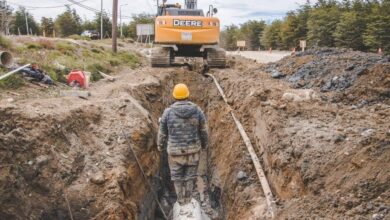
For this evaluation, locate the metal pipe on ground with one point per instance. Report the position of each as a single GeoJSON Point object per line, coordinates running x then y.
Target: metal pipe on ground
{"type": "Point", "coordinates": [6, 59]}
{"type": "Point", "coordinates": [256, 162]}
{"type": "Point", "coordinates": [13, 71]}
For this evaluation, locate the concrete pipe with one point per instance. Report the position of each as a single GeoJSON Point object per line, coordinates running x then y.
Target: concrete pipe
{"type": "Point", "coordinates": [6, 59]}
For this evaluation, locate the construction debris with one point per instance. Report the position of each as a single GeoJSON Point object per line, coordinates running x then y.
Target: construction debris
{"type": "Point", "coordinates": [6, 59]}
{"type": "Point", "coordinates": [78, 78]}
{"type": "Point", "coordinates": [108, 77]}
{"type": "Point", "coordinates": [13, 71]}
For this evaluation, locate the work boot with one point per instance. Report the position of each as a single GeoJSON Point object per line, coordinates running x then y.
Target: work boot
{"type": "Point", "coordinates": [180, 192]}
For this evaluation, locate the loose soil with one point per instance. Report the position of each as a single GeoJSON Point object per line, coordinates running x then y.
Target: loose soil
{"type": "Point", "coordinates": [326, 155]}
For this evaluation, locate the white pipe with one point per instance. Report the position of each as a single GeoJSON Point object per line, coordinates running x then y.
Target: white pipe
{"type": "Point", "coordinates": [13, 71]}
{"type": "Point", "coordinates": [256, 162]}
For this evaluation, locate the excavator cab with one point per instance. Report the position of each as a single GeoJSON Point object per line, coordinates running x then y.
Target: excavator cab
{"type": "Point", "coordinates": [187, 32]}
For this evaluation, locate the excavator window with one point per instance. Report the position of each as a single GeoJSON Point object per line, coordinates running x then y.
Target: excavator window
{"type": "Point", "coordinates": [175, 10]}
{"type": "Point", "coordinates": [179, 12]}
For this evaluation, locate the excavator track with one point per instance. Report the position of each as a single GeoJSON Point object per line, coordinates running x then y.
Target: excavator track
{"type": "Point", "coordinates": [161, 57]}
{"type": "Point", "coordinates": [216, 58]}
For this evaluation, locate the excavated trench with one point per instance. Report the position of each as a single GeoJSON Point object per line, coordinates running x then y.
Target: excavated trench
{"type": "Point", "coordinates": [155, 98]}
{"type": "Point", "coordinates": [77, 161]}
{"type": "Point", "coordinates": [228, 183]}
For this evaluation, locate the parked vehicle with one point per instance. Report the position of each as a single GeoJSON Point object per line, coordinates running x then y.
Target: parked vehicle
{"type": "Point", "coordinates": [91, 34]}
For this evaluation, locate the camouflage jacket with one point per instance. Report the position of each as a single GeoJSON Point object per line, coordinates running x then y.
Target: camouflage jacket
{"type": "Point", "coordinates": [183, 129]}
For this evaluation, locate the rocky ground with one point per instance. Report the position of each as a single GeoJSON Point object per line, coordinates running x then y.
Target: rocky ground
{"type": "Point", "coordinates": [326, 152]}
{"type": "Point", "coordinates": [325, 148]}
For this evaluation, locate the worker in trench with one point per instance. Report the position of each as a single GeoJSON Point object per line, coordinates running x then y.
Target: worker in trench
{"type": "Point", "coordinates": [183, 133]}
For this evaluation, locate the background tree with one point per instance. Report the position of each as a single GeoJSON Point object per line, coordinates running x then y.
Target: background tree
{"type": "Point", "coordinates": [126, 29]}
{"type": "Point", "coordinates": [19, 21]}
{"type": "Point", "coordinates": [251, 32]}
{"type": "Point", "coordinates": [229, 37]}
{"type": "Point", "coordinates": [349, 31]}
{"type": "Point", "coordinates": [271, 37]}
{"type": "Point", "coordinates": [321, 25]}
{"type": "Point", "coordinates": [357, 24]}
{"type": "Point", "coordinates": [289, 31]}
{"type": "Point", "coordinates": [5, 23]}
{"type": "Point", "coordinates": [107, 24]}
{"type": "Point", "coordinates": [47, 26]}
{"type": "Point", "coordinates": [377, 34]}
{"type": "Point", "coordinates": [68, 23]}
{"type": "Point", "coordinates": [88, 25]}
{"type": "Point", "coordinates": [139, 19]}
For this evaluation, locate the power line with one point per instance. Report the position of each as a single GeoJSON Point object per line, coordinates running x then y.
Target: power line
{"type": "Point", "coordinates": [84, 6]}
{"type": "Point", "coordinates": [150, 5]}
{"type": "Point", "coordinates": [45, 7]}
{"type": "Point", "coordinates": [93, 9]}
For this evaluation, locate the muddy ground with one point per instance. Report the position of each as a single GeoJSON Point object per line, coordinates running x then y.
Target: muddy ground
{"type": "Point", "coordinates": [326, 153]}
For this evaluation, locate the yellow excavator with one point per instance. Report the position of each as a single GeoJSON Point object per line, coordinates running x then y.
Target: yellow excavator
{"type": "Point", "coordinates": [187, 32]}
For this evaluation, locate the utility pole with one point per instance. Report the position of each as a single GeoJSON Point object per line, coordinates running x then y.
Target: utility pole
{"type": "Point", "coordinates": [25, 15]}
{"type": "Point", "coordinates": [101, 20]}
{"type": "Point", "coordinates": [114, 25]}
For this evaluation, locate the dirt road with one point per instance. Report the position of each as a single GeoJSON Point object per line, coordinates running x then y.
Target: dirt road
{"type": "Point", "coordinates": [261, 56]}
{"type": "Point", "coordinates": [325, 153]}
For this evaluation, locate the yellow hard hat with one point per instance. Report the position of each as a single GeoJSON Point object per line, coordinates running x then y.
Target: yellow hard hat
{"type": "Point", "coordinates": [181, 92]}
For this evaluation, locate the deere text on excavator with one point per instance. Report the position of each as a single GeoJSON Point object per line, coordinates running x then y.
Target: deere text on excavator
{"type": "Point", "coordinates": [187, 33]}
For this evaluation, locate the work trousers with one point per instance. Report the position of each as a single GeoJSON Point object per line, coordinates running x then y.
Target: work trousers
{"type": "Point", "coordinates": [184, 167]}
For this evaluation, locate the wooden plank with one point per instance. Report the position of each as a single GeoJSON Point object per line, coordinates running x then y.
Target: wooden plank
{"type": "Point", "coordinates": [108, 77]}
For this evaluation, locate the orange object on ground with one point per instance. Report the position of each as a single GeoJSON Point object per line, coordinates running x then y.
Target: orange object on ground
{"type": "Point", "coordinates": [78, 78]}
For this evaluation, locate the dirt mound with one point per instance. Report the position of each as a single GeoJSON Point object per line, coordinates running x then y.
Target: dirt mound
{"type": "Point", "coordinates": [337, 70]}
{"type": "Point", "coordinates": [324, 157]}
{"type": "Point", "coordinates": [62, 152]}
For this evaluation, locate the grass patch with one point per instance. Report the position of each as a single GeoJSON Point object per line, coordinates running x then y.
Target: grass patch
{"type": "Point", "coordinates": [66, 48]}
{"type": "Point", "coordinates": [115, 62]}
{"type": "Point", "coordinates": [53, 56]}
{"type": "Point", "coordinates": [46, 44]}
{"type": "Point", "coordinates": [56, 74]}
{"type": "Point", "coordinates": [5, 43]}
{"type": "Point", "coordinates": [78, 37]}
{"type": "Point", "coordinates": [128, 59]}
{"type": "Point", "coordinates": [33, 46]}
{"type": "Point", "coordinates": [96, 50]}
{"type": "Point", "coordinates": [94, 69]}
{"type": "Point", "coordinates": [14, 81]}
{"type": "Point", "coordinates": [86, 53]}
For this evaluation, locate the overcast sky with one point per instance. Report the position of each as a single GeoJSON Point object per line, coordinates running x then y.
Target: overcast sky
{"type": "Point", "coordinates": [230, 11]}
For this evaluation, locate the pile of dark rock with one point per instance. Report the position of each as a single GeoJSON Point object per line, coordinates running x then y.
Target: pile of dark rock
{"type": "Point", "coordinates": [328, 69]}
